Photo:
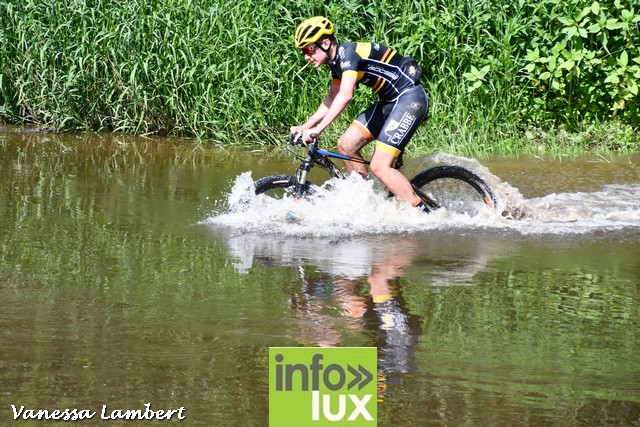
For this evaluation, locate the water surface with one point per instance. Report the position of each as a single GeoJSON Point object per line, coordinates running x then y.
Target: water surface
{"type": "Point", "coordinates": [141, 271]}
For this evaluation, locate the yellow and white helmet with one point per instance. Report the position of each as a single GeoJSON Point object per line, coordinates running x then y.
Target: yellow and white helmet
{"type": "Point", "coordinates": [311, 30]}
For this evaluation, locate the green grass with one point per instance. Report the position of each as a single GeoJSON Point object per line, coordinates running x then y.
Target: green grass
{"type": "Point", "coordinates": [226, 71]}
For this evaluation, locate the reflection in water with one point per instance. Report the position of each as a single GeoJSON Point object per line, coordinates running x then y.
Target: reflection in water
{"type": "Point", "coordinates": [352, 285]}
{"type": "Point", "coordinates": [378, 307]}
{"type": "Point", "coordinates": [374, 304]}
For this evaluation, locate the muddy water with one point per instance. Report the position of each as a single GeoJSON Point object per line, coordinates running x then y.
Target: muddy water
{"type": "Point", "coordinates": [139, 271]}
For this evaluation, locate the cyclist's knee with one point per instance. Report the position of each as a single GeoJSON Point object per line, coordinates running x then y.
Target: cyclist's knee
{"type": "Point", "coordinates": [344, 146]}
{"type": "Point", "coordinates": [351, 142]}
{"type": "Point", "coordinates": [380, 166]}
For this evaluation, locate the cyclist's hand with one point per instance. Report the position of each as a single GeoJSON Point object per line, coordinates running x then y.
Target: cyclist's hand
{"type": "Point", "coordinates": [295, 135]}
{"type": "Point", "coordinates": [302, 137]}
{"type": "Point", "coordinates": [295, 138]}
{"type": "Point", "coordinates": [309, 135]}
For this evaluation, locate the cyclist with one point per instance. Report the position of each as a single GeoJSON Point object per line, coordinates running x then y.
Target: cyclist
{"type": "Point", "coordinates": [392, 120]}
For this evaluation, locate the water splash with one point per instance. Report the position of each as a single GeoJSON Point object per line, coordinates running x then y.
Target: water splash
{"type": "Point", "coordinates": [510, 202]}
{"type": "Point", "coordinates": [348, 207]}
{"type": "Point", "coordinates": [356, 207]}
{"type": "Point", "coordinates": [613, 207]}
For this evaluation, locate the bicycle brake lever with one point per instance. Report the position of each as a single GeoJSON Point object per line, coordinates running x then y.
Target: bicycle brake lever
{"type": "Point", "coordinates": [295, 138]}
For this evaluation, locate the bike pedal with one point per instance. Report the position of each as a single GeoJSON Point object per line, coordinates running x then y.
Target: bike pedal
{"type": "Point", "coordinates": [292, 217]}
{"type": "Point", "coordinates": [423, 207]}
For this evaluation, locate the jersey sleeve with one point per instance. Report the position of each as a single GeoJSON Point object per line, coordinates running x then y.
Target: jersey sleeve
{"type": "Point", "coordinates": [349, 59]}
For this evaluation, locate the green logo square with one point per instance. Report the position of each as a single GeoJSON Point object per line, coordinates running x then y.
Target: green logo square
{"type": "Point", "coordinates": [310, 386]}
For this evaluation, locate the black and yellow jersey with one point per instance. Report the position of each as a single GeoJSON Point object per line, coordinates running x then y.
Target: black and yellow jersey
{"type": "Point", "coordinates": [379, 67]}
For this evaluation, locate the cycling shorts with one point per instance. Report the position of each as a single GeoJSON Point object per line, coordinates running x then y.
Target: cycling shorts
{"type": "Point", "coordinates": [393, 122]}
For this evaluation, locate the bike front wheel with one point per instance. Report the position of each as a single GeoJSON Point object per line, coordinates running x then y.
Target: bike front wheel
{"type": "Point", "coordinates": [281, 186]}
{"type": "Point", "coordinates": [454, 188]}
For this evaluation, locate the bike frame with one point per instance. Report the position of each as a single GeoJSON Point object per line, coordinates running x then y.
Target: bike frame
{"type": "Point", "coordinates": [316, 155]}
{"type": "Point", "coordinates": [326, 153]}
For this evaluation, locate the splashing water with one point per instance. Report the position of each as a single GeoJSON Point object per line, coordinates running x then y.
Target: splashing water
{"type": "Point", "coordinates": [356, 207]}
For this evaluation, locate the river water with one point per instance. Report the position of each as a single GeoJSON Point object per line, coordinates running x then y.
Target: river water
{"type": "Point", "coordinates": [138, 270]}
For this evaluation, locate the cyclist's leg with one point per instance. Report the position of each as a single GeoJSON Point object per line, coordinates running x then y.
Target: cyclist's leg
{"type": "Point", "coordinates": [350, 144]}
{"type": "Point", "coordinates": [362, 131]}
{"type": "Point", "coordinates": [408, 113]}
{"type": "Point", "coordinates": [382, 167]}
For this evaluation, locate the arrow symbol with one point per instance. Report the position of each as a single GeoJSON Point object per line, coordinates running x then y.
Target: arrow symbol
{"type": "Point", "coordinates": [360, 374]}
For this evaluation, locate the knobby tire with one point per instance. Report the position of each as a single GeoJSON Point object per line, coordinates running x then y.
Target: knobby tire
{"type": "Point", "coordinates": [279, 186]}
{"type": "Point", "coordinates": [454, 188]}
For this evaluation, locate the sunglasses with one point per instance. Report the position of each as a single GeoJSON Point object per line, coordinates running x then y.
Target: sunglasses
{"type": "Point", "coordinates": [308, 50]}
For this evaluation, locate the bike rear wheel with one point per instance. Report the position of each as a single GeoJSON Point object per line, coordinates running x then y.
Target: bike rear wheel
{"type": "Point", "coordinates": [280, 186]}
{"type": "Point", "coordinates": [454, 188]}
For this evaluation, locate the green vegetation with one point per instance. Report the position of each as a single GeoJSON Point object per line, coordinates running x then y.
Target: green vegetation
{"type": "Point", "coordinates": [504, 76]}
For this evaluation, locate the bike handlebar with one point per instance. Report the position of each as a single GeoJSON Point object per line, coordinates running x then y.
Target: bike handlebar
{"type": "Point", "coordinates": [296, 138]}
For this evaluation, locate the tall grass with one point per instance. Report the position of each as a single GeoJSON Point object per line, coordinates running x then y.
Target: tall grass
{"type": "Point", "coordinates": [227, 70]}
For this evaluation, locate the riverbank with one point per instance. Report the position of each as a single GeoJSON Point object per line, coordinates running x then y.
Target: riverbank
{"type": "Point", "coordinates": [503, 77]}
{"type": "Point", "coordinates": [604, 139]}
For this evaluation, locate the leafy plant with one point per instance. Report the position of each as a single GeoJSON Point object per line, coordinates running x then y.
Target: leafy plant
{"type": "Point", "coordinates": [584, 66]}
{"type": "Point", "coordinates": [476, 77]}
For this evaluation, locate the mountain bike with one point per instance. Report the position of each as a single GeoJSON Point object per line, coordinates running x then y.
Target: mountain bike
{"type": "Point", "coordinates": [451, 187]}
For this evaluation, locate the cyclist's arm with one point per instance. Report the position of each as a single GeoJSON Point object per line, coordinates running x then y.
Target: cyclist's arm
{"type": "Point", "coordinates": [322, 110]}
{"type": "Point", "coordinates": [340, 97]}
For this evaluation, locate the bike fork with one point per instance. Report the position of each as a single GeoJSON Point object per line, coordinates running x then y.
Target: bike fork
{"type": "Point", "coordinates": [301, 178]}
{"type": "Point", "coordinates": [431, 204]}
